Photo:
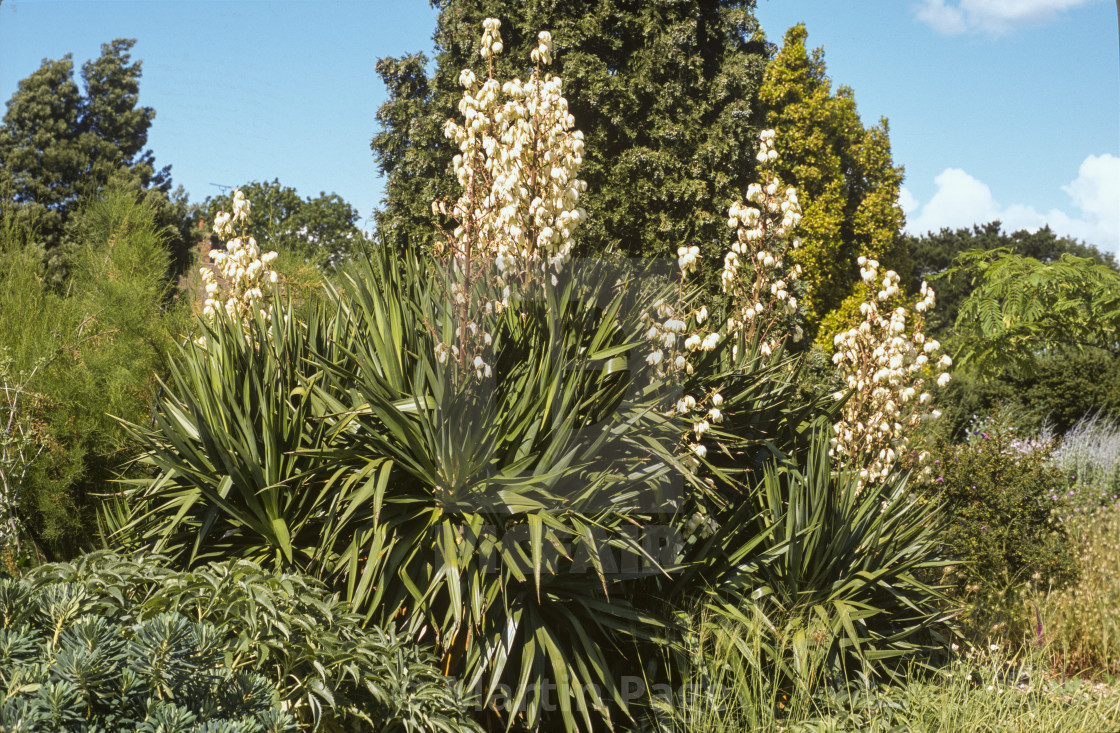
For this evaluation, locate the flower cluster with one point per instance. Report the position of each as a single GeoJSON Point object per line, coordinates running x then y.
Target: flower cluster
{"type": "Point", "coordinates": [518, 165]}
{"type": "Point", "coordinates": [888, 364]}
{"type": "Point", "coordinates": [757, 280]}
{"type": "Point", "coordinates": [672, 339]}
{"type": "Point", "coordinates": [755, 273]}
{"type": "Point", "coordinates": [491, 39]}
{"type": "Point", "coordinates": [703, 413]}
{"type": "Point", "coordinates": [676, 333]}
{"type": "Point", "coordinates": [243, 272]}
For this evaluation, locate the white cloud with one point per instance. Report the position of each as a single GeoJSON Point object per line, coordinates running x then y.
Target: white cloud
{"type": "Point", "coordinates": [961, 201]}
{"type": "Point", "coordinates": [990, 16]}
{"type": "Point", "coordinates": [907, 201]}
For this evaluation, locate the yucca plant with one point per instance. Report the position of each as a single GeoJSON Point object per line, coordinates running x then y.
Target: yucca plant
{"type": "Point", "coordinates": [229, 447]}
{"type": "Point", "coordinates": [499, 513]}
{"type": "Point", "coordinates": [484, 447]}
{"type": "Point", "coordinates": [847, 565]}
{"type": "Point", "coordinates": [814, 587]}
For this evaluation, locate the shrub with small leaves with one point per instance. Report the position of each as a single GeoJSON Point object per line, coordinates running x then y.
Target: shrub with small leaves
{"type": "Point", "coordinates": [1004, 526]}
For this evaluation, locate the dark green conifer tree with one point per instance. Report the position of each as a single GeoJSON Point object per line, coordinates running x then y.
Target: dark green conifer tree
{"type": "Point", "coordinates": [60, 145]}
{"type": "Point", "coordinates": [664, 92]}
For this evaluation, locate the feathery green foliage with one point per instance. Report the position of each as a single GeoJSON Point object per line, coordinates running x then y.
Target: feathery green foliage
{"type": "Point", "coordinates": [95, 350]}
{"type": "Point", "coordinates": [933, 255]}
{"type": "Point", "coordinates": [1020, 307]}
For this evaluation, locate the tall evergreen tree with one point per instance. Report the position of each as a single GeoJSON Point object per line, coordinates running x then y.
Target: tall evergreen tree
{"type": "Point", "coordinates": [844, 174]}
{"type": "Point", "coordinates": [59, 146]}
{"type": "Point", "coordinates": [41, 157]}
{"type": "Point", "coordinates": [664, 92]}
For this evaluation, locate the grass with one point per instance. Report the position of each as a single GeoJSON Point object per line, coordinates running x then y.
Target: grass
{"type": "Point", "coordinates": [977, 690]}
{"type": "Point", "coordinates": [1081, 624]}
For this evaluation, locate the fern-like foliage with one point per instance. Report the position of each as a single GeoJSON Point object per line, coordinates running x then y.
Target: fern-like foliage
{"type": "Point", "coordinates": [1021, 308]}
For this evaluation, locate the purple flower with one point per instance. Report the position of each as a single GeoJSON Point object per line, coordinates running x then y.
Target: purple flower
{"type": "Point", "coordinates": [985, 436]}
{"type": "Point", "coordinates": [940, 480]}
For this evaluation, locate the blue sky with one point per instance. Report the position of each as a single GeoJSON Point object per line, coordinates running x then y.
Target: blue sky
{"type": "Point", "coordinates": [1004, 109]}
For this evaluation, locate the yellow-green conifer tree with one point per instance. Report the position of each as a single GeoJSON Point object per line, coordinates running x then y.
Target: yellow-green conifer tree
{"type": "Point", "coordinates": [845, 175]}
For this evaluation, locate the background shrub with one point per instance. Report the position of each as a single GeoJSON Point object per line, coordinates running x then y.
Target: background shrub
{"type": "Point", "coordinates": [1004, 526]}
{"type": "Point", "coordinates": [98, 346]}
{"type": "Point", "coordinates": [1064, 388]}
{"type": "Point", "coordinates": [1089, 456]}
